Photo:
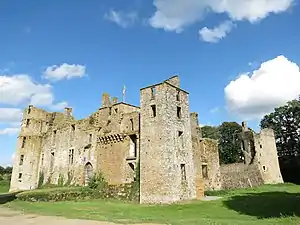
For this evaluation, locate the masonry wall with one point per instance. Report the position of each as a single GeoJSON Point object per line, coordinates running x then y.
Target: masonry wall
{"type": "Point", "coordinates": [267, 157]}
{"type": "Point", "coordinates": [239, 175]}
{"type": "Point", "coordinates": [210, 162]}
{"type": "Point", "coordinates": [196, 146]}
{"type": "Point", "coordinates": [166, 161]}
{"type": "Point", "coordinates": [26, 163]}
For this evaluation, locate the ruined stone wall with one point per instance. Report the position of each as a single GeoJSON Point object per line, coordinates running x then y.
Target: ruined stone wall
{"type": "Point", "coordinates": [26, 163]}
{"type": "Point", "coordinates": [267, 158]}
{"type": "Point", "coordinates": [196, 146]}
{"type": "Point", "coordinates": [99, 140]}
{"type": "Point", "coordinates": [239, 175]}
{"type": "Point", "coordinates": [210, 164]}
{"type": "Point", "coordinates": [166, 159]}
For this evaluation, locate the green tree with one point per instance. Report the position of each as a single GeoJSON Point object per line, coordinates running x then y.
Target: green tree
{"type": "Point", "coordinates": [210, 132]}
{"type": "Point", "coordinates": [285, 121]}
{"type": "Point", "coordinates": [229, 142]}
{"type": "Point", "coordinates": [8, 170]}
{"type": "Point", "coordinates": [2, 170]}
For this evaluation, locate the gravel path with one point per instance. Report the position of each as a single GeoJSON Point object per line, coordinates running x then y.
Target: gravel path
{"type": "Point", "coordinates": [10, 217]}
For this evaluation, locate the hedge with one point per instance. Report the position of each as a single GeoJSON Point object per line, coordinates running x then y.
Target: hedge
{"type": "Point", "coordinates": [122, 192]}
{"type": "Point", "coordinates": [58, 194]}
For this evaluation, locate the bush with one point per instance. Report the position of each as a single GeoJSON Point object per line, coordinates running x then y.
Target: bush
{"type": "Point", "coordinates": [58, 194]}
{"type": "Point", "coordinates": [97, 182]}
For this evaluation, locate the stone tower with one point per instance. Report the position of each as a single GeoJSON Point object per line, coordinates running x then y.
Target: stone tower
{"type": "Point", "coordinates": [167, 172]}
{"type": "Point", "coordinates": [27, 157]}
{"type": "Point", "coordinates": [260, 150]}
{"type": "Point", "coordinates": [267, 157]}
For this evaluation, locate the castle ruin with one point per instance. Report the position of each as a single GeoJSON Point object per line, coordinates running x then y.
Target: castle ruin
{"type": "Point", "coordinates": [161, 138]}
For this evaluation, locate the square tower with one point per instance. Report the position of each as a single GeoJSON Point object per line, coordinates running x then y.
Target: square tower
{"type": "Point", "coordinates": [167, 172]}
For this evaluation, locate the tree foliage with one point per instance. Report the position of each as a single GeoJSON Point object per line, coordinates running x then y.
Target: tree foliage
{"type": "Point", "coordinates": [210, 132]}
{"type": "Point", "coordinates": [285, 121]}
{"type": "Point", "coordinates": [227, 135]}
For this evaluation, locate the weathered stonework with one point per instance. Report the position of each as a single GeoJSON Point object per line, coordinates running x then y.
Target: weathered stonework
{"type": "Point", "coordinates": [167, 166]}
{"type": "Point", "coordinates": [112, 141]}
{"type": "Point", "coordinates": [260, 163]}
{"type": "Point", "coordinates": [162, 136]}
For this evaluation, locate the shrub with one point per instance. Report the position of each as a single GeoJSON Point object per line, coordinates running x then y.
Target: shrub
{"type": "Point", "coordinates": [58, 194]}
{"type": "Point", "coordinates": [97, 182]}
{"type": "Point", "coordinates": [1, 177]}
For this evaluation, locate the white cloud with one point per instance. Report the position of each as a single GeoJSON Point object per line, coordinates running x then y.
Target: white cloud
{"type": "Point", "coordinates": [10, 115]}
{"type": "Point", "coordinates": [254, 94]}
{"type": "Point", "coordinates": [175, 15]}
{"type": "Point", "coordinates": [21, 89]}
{"type": "Point", "coordinates": [217, 33]}
{"type": "Point", "coordinates": [64, 71]}
{"type": "Point", "coordinates": [122, 19]}
{"type": "Point", "coordinates": [9, 131]}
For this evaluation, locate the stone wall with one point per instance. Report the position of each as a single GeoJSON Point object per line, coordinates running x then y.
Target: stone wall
{"type": "Point", "coordinates": [166, 157]}
{"type": "Point", "coordinates": [239, 175]}
{"type": "Point", "coordinates": [210, 164]}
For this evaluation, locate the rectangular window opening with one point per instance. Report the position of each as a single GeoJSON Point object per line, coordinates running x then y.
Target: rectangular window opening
{"type": "Point", "coordinates": [116, 110]}
{"type": "Point", "coordinates": [109, 110]}
{"type": "Point", "coordinates": [131, 124]}
{"type": "Point", "coordinates": [20, 177]}
{"type": "Point", "coordinates": [153, 92]}
{"type": "Point", "coordinates": [27, 122]}
{"type": "Point", "coordinates": [180, 137]}
{"type": "Point", "coordinates": [204, 171]}
{"type": "Point", "coordinates": [133, 146]}
{"type": "Point", "coordinates": [23, 142]}
{"type": "Point", "coordinates": [153, 107]}
{"type": "Point", "coordinates": [52, 161]}
{"type": "Point", "coordinates": [90, 138]}
{"type": "Point", "coordinates": [183, 172]}
{"type": "Point", "coordinates": [178, 96]}
{"type": "Point", "coordinates": [71, 156]}
{"type": "Point", "coordinates": [178, 112]}
{"type": "Point", "coordinates": [21, 160]}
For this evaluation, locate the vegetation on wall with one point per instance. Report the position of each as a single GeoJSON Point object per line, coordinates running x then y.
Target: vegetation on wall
{"type": "Point", "coordinates": [97, 181]}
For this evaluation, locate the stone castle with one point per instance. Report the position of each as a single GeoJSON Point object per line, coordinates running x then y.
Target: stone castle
{"type": "Point", "coordinates": [160, 138]}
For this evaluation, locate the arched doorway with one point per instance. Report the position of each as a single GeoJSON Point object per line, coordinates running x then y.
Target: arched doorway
{"type": "Point", "coordinates": [88, 173]}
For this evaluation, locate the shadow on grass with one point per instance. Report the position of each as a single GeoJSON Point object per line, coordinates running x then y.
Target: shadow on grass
{"type": "Point", "coordinates": [4, 198]}
{"type": "Point", "coordinates": [266, 204]}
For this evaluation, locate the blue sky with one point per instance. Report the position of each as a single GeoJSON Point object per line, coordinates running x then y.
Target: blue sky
{"type": "Point", "coordinates": [238, 59]}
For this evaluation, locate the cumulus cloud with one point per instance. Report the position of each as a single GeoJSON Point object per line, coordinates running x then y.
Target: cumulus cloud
{"type": "Point", "coordinates": [217, 33]}
{"type": "Point", "coordinates": [122, 19]}
{"type": "Point", "coordinates": [21, 89]}
{"type": "Point", "coordinates": [10, 115]}
{"type": "Point", "coordinates": [175, 15]}
{"type": "Point", "coordinates": [64, 71]}
{"type": "Point", "coordinates": [254, 94]}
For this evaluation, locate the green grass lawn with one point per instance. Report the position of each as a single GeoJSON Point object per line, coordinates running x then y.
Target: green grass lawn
{"type": "Point", "coordinates": [4, 186]}
{"type": "Point", "coordinates": [269, 204]}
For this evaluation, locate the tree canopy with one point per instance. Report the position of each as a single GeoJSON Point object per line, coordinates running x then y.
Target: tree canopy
{"type": "Point", "coordinates": [228, 138]}
{"type": "Point", "coordinates": [285, 121]}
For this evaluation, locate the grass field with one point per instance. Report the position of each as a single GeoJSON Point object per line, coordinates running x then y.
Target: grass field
{"type": "Point", "coordinates": [269, 204]}
{"type": "Point", "coordinates": [4, 186]}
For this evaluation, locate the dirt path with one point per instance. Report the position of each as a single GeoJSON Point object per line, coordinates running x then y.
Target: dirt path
{"type": "Point", "coordinates": [10, 217]}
